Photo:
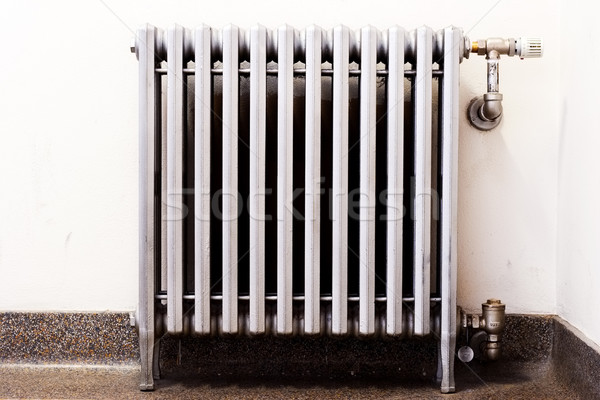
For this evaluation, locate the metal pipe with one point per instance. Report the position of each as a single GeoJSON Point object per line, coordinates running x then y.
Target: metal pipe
{"type": "Point", "coordinates": [493, 59]}
{"type": "Point", "coordinates": [485, 112]}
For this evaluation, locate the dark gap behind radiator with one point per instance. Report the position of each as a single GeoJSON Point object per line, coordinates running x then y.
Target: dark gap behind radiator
{"type": "Point", "coordinates": [353, 160]}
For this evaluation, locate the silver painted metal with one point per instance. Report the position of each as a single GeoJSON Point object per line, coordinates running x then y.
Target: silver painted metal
{"type": "Point", "coordinates": [341, 42]}
{"type": "Point", "coordinates": [311, 312]}
{"type": "Point", "coordinates": [258, 99]}
{"type": "Point", "coordinates": [299, 71]}
{"type": "Point", "coordinates": [368, 101]}
{"type": "Point", "coordinates": [202, 155]}
{"type": "Point", "coordinates": [299, 321]}
{"type": "Point", "coordinates": [449, 205]}
{"type": "Point", "coordinates": [285, 154]}
{"type": "Point", "coordinates": [395, 181]}
{"type": "Point", "coordinates": [148, 89]}
{"type": "Point", "coordinates": [312, 228]}
{"type": "Point", "coordinates": [422, 199]}
{"type": "Point", "coordinates": [231, 36]}
{"type": "Point", "coordinates": [243, 297]}
{"type": "Point", "coordinates": [175, 180]}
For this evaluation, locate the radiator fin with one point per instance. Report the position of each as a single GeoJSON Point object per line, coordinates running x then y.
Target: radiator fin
{"type": "Point", "coordinates": [449, 204]}
{"type": "Point", "coordinates": [230, 178]}
{"type": "Point", "coordinates": [285, 153]}
{"type": "Point", "coordinates": [175, 37]}
{"type": "Point", "coordinates": [312, 228]}
{"type": "Point", "coordinates": [202, 201]}
{"type": "Point", "coordinates": [256, 201]}
{"type": "Point", "coordinates": [395, 182]}
{"type": "Point", "coordinates": [368, 101]}
{"type": "Point", "coordinates": [341, 57]}
{"type": "Point", "coordinates": [423, 193]}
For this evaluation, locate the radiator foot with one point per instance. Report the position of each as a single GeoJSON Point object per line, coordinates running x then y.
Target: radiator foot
{"type": "Point", "coordinates": [448, 389]}
{"type": "Point", "coordinates": [156, 361]}
{"type": "Point", "coordinates": [147, 387]}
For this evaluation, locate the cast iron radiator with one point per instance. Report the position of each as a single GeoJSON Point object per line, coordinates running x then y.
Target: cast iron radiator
{"type": "Point", "coordinates": [298, 183]}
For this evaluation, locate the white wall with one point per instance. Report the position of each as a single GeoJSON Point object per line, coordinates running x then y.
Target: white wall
{"type": "Point", "coordinates": [579, 173]}
{"type": "Point", "coordinates": [68, 159]}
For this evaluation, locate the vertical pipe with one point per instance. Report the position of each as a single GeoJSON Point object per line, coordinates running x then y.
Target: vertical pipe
{"type": "Point", "coordinates": [395, 181]}
{"type": "Point", "coordinates": [368, 101]}
{"type": "Point", "coordinates": [202, 151]}
{"type": "Point", "coordinates": [341, 42]}
{"type": "Point", "coordinates": [422, 199]}
{"type": "Point", "coordinates": [230, 178]}
{"type": "Point", "coordinates": [493, 78]}
{"type": "Point", "coordinates": [449, 204]}
{"type": "Point", "coordinates": [146, 47]}
{"type": "Point", "coordinates": [285, 86]}
{"type": "Point", "coordinates": [258, 99]}
{"type": "Point", "coordinates": [175, 212]}
{"type": "Point", "coordinates": [312, 227]}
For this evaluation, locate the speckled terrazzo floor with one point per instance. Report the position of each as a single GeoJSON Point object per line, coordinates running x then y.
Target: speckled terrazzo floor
{"type": "Point", "coordinates": [516, 380]}
{"type": "Point", "coordinates": [65, 355]}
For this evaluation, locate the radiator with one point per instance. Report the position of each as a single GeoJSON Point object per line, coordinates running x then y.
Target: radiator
{"type": "Point", "coordinates": [298, 183]}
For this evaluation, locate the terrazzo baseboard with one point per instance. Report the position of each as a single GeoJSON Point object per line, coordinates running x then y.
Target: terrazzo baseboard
{"type": "Point", "coordinates": [98, 340]}
{"type": "Point", "coordinates": [109, 338]}
{"type": "Point", "coordinates": [68, 338]}
{"type": "Point", "coordinates": [576, 359]}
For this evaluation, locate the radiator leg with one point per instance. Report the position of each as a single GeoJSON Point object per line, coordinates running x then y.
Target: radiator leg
{"type": "Point", "coordinates": [156, 360]}
{"type": "Point", "coordinates": [439, 372]}
{"type": "Point", "coordinates": [147, 349]}
{"type": "Point", "coordinates": [445, 372]}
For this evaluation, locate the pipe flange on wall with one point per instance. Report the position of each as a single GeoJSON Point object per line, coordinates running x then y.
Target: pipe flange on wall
{"type": "Point", "coordinates": [485, 112]}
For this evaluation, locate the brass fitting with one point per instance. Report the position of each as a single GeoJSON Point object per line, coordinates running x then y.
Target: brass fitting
{"type": "Point", "coordinates": [484, 332]}
{"type": "Point", "coordinates": [501, 46]}
{"type": "Point", "coordinates": [493, 323]}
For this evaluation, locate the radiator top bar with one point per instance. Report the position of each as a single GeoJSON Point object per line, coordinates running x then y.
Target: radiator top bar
{"type": "Point", "coordinates": [299, 44]}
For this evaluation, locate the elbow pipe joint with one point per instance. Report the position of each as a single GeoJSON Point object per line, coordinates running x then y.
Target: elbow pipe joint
{"type": "Point", "coordinates": [491, 109]}
{"type": "Point", "coordinates": [485, 112]}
